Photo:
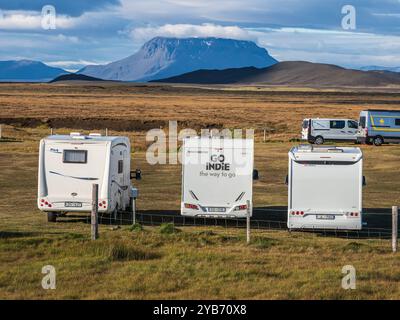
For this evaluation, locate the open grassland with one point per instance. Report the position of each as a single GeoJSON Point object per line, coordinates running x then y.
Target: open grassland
{"type": "Point", "coordinates": [210, 262]}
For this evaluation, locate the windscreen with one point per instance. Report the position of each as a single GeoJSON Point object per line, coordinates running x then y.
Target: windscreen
{"type": "Point", "coordinates": [325, 187]}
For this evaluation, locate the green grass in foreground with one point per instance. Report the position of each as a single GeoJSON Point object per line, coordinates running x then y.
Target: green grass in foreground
{"type": "Point", "coordinates": [192, 263]}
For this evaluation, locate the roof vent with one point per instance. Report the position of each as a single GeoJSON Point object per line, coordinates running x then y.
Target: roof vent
{"type": "Point", "coordinates": [94, 134]}
{"type": "Point", "coordinates": [74, 134]}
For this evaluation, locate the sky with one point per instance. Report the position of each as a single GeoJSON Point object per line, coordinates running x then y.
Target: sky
{"type": "Point", "coordinates": [97, 32]}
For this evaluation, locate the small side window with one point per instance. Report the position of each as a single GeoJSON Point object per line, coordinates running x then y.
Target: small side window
{"type": "Point", "coordinates": [397, 122]}
{"type": "Point", "coordinates": [337, 124]}
{"type": "Point", "coordinates": [352, 124]}
{"type": "Point", "coordinates": [120, 166]}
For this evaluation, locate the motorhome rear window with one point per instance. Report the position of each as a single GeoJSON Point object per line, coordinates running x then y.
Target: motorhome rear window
{"type": "Point", "coordinates": [305, 124]}
{"type": "Point", "coordinates": [397, 122]}
{"type": "Point", "coordinates": [362, 122]}
{"type": "Point", "coordinates": [337, 124]}
{"type": "Point", "coordinates": [75, 156]}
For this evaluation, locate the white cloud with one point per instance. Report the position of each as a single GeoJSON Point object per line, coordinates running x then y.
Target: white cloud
{"type": "Point", "coordinates": [32, 20]}
{"type": "Point", "coordinates": [191, 30]}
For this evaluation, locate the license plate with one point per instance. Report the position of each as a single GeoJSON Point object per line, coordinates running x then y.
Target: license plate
{"type": "Point", "coordinates": [326, 216]}
{"type": "Point", "coordinates": [70, 204]}
{"type": "Point", "coordinates": [216, 209]}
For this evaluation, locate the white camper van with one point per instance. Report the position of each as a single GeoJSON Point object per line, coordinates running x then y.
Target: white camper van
{"type": "Point", "coordinates": [325, 188]}
{"type": "Point", "coordinates": [69, 165]}
{"type": "Point", "coordinates": [320, 130]}
{"type": "Point", "coordinates": [217, 177]}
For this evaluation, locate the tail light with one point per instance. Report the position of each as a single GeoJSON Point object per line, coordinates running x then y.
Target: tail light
{"type": "Point", "coordinates": [103, 204]}
{"type": "Point", "coordinates": [45, 203]}
{"type": "Point", "coordinates": [297, 213]}
{"type": "Point", "coordinates": [352, 214]}
{"type": "Point", "coordinates": [191, 206]}
{"type": "Point", "coordinates": [241, 207]}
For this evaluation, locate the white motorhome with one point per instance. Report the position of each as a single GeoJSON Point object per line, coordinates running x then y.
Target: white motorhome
{"type": "Point", "coordinates": [70, 164]}
{"type": "Point", "coordinates": [320, 130]}
{"type": "Point", "coordinates": [217, 177]}
{"type": "Point", "coordinates": [325, 188]}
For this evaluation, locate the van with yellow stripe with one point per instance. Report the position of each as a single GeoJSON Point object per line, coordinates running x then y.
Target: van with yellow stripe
{"type": "Point", "coordinates": [379, 126]}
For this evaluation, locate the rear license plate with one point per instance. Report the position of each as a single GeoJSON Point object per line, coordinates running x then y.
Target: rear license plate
{"type": "Point", "coordinates": [326, 216]}
{"type": "Point", "coordinates": [216, 209]}
{"type": "Point", "coordinates": [70, 204]}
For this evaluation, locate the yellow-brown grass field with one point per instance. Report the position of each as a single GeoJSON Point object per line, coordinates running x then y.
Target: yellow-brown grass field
{"type": "Point", "coordinates": [192, 262]}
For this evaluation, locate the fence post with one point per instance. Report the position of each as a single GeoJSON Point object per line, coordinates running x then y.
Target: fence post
{"type": "Point", "coordinates": [1, 131]}
{"type": "Point", "coordinates": [133, 204]}
{"type": "Point", "coordinates": [51, 131]}
{"type": "Point", "coordinates": [248, 222]}
{"type": "Point", "coordinates": [94, 221]}
{"type": "Point", "coordinates": [265, 135]}
{"type": "Point", "coordinates": [106, 132]}
{"type": "Point", "coordinates": [395, 230]}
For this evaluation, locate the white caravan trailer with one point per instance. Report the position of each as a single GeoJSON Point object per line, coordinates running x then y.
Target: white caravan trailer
{"type": "Point", "coordinates": [325, 188]}
{"type": "Point", "coordinates": [69, 165]}
{"type": "Point", "coordinates": [320, 130]}
{"type": "Point", "coordinates": [217, 177]}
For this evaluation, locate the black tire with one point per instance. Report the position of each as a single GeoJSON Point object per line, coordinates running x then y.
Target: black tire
{"type": "Point", "coordinates": [378, 141]}
{"type": "Point", "coordinates": [319, 140]}
{"type": "Point", "coordinates": [51, 217]}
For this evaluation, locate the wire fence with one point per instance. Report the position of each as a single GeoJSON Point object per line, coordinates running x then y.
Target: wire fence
{"type": "Point", "coordinates": [277, 223]}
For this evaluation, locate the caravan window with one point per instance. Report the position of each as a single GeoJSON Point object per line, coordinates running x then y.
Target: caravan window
{"type": "Point", "coordinates": [397, 122]}
{"type": "Point", "coordinates": [305, 124]}
{"type": "Point", "coordinates": [120, 166]}
{"type": "Point", "coordinates": [337, 124]}
{"type": "Point", "coordinates": [75, 156]}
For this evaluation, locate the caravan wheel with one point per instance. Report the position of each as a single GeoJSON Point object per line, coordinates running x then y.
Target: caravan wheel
{"type": "Point", "coordinates": [51, 217]}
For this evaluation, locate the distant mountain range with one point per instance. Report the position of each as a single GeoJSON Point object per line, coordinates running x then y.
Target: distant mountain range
{"type": "Point", "coordinates": [28, 70]}
{"type": "Point", "coordinates": [165, 57]}
{"type": "Point", "coordinates": [205, 61]}
{"type": "Point", "coordinates": [292, 73]}
{"type": "Point", "coordinates": [380, 68]}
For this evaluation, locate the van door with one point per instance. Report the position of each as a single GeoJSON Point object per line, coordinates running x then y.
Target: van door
{"type": "Point", "coordinates": [337, 129]}
{"type": "Point", "coordinates": [351, 129]}
{"type": "Point", "coordinates": [320, 128]}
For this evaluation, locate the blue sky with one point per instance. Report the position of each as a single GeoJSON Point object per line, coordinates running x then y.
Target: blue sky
{"type": "Point", "coordinates": [93, 32]}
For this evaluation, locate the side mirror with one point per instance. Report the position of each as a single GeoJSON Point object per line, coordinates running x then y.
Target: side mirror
{"type": "Point", "coordinates": [255, 175]}
{"type": "Point", "coordinates": [287, 180]}
{"type": "Point", "coordinates": [364, 181]}
{"type": "Point", "coordinates": [137, 174]}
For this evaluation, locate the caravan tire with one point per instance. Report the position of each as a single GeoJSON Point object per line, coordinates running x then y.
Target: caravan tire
{"type": "Point", "coordinates": [51, 217]}
{"type": "Point", "coordinates": [319, 140]}
{"type": "Point", "coordinates": [378, 141]}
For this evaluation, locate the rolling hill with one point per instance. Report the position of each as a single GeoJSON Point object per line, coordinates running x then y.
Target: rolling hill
{"type": "Point", "coordinates": [290, 73]}
{"type": "Point", "coordinates": [74, 77]}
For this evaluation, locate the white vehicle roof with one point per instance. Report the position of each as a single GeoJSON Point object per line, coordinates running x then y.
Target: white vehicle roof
{"type": "Point", "coordinates": [325, 153]}
{"type": "Point", "coordinates": [83, 138]}
{"type": "Point", "coordinates": [329, 119]}
{"type": "Point", "coordinates": [205, 142]}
